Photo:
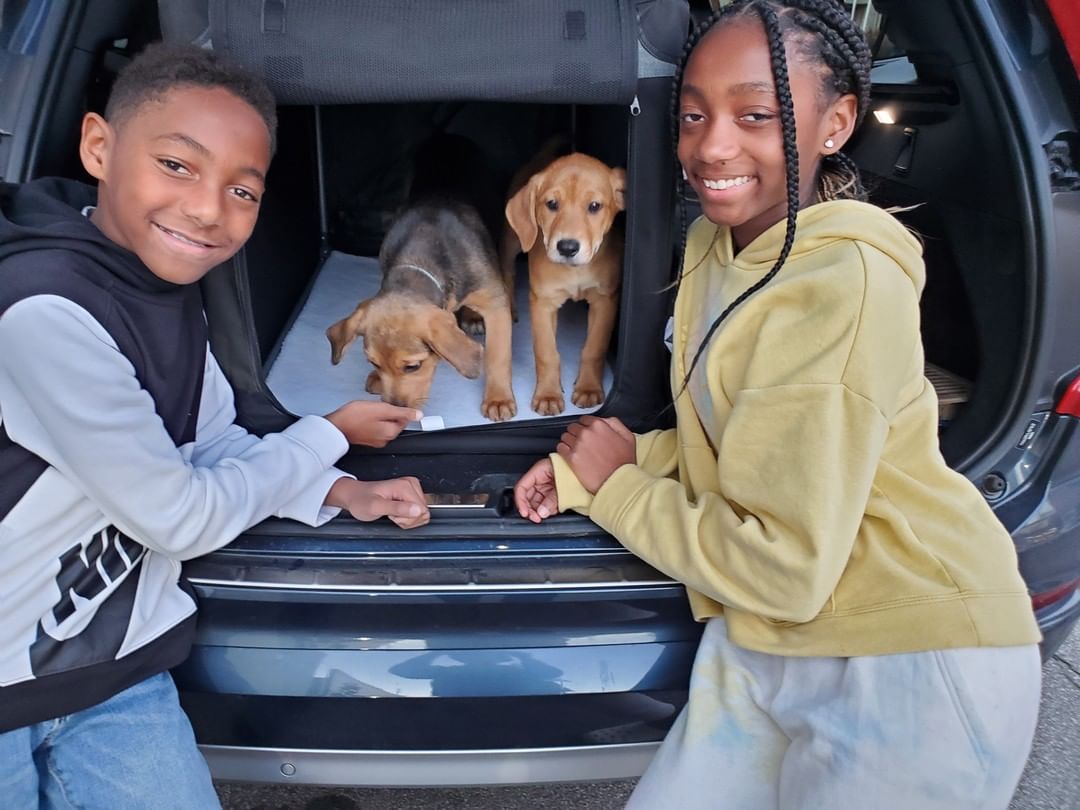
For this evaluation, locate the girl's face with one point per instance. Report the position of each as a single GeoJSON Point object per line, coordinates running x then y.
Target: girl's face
{"type": "Point", "coordinates": [730, 137]}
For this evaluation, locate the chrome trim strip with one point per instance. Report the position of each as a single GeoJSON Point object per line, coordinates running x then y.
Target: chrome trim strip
{"type": "Point", "coordinates": [539, 586]}
{"type": "Point", "coordinates": [429, 768]}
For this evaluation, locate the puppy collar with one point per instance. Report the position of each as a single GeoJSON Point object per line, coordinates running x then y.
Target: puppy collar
{"type": "Point", "coordinates": [422, 271]}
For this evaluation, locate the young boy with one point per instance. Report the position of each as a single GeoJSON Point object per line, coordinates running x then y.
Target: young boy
{"type": "Point", "coordinates": [118, 453]}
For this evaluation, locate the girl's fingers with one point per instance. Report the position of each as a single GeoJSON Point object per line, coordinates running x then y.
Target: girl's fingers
{"type": "Point", "coordinates": [616, 424]}
{"type": "Point", "coordinates": [521, 501]}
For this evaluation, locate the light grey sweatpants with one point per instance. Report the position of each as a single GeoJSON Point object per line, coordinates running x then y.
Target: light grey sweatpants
{"type": "Point", "coordinates": [939, 730]}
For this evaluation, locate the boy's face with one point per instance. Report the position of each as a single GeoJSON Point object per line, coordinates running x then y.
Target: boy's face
{"type": "Point", "coordinates": [180, 179]}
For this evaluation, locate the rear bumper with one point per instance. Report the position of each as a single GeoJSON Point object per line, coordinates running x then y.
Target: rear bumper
{"type": "Point", "coordinates": [428, 768]}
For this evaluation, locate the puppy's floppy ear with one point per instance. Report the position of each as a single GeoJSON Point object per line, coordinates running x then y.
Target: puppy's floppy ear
{"type": "Point", "coordinates": [448, 341]}
{"type": "Point", "coordinates": [618, 186]}
{"type": "Point", "coordinates": [521, 212]}
{"type": "Point", "coordinates": [345, 331]}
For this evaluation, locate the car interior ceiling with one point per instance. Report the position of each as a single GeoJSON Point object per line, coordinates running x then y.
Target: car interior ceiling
{"type": "Point", "coordinates": [947, 159]}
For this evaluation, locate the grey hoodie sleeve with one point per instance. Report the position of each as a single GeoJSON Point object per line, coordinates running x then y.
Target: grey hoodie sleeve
{"type": "Point", "coordinates": [71, 397]}
{"type": "Point", "coordinates": [218, 437]}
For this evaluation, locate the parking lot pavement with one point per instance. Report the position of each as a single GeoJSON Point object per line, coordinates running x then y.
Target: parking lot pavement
{"type": "Point", "coordinates": [1051, 781]}
{"type": "Point", "coordinates": [1052, 778]}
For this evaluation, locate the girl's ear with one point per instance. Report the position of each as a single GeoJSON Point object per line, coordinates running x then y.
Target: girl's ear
{"type": "Point", "coordinates": [838, 123]}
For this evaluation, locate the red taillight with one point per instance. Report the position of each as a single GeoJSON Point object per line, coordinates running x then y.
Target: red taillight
{"type": "Point", "coordinates": [1069, 404]}
{"type": "Point", "coordinates": [1066, 15]}
{"type": "Point", "coordinates": [1041, 600]}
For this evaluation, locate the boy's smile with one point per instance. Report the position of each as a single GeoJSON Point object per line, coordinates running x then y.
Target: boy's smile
{"type": "Point", "coordinates": [180, 179]}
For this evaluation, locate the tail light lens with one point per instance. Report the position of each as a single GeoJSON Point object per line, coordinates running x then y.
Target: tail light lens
{"type": "Point", "coordinates": [1067, 18]}
{"type": "Point", "coordinates": [1041, 600]}
{"type": "Point", "coordinates": [1069, 404]}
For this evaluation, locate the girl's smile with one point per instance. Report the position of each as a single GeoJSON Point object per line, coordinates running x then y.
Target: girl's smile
{"type": "Point", "coordinates": [726, 183]}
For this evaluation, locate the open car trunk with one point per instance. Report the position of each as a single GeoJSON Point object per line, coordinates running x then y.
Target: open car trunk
{"type": "Point", "coordinates": [346, 142]}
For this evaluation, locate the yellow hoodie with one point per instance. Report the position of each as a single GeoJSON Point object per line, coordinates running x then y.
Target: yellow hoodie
{"type": "Point", "coordinates": [805, 496]}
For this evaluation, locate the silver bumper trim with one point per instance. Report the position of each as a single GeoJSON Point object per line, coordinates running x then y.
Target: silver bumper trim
{"type": "Point", "coordinates": [465, 588]}
{"type": "Point", "coordinates": [428, 768]}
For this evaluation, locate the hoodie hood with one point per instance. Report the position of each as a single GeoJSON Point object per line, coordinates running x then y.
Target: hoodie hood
{"type": "Point", "coordinates": [825, 223]}
{"type": "Point", "coordinates": [46, 214]}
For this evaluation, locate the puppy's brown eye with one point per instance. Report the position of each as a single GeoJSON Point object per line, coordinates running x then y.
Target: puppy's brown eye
{"type": "Point", "coordinates": [595, 206]}
{"type": "Point", "coordinates": [411, 367]}
{"type": "Point", "coordinates": [553, 205]}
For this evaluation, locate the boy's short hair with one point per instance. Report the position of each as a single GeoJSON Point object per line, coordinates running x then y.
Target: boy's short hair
{"type": "Point", "coordinates": [161, 67]}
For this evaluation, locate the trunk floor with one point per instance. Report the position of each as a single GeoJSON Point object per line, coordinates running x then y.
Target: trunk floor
{"type": "Point", "coordinates": [304, 380]}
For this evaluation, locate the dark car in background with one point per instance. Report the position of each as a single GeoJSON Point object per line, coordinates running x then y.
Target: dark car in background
{"type": "Point", "coordinates": [482, 649]}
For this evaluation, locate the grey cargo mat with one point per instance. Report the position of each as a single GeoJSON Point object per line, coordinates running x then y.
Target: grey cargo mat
{"type": "Point", "coordinates": [303, 379]}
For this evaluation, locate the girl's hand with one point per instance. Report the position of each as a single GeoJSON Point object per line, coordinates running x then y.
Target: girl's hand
{"type": "Point", "coordinates": [594, 448]}
{"type": "Point", "coordinates": [534, 493]}
{"type": "Point", "coordinates": [400, 499]}
{"type": "Point", "coordinates": [370, 423]}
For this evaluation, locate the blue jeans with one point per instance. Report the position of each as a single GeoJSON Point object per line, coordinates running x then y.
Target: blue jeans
{"type": "Point", "coordinates": [132, 752]}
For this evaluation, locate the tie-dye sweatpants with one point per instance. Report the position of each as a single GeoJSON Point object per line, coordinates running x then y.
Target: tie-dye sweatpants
{"type": "Point", "coordinates": [946, 729]}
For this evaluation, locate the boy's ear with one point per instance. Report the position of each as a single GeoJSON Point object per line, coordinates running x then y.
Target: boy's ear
{"type": "Point", "coordinates": [94, 145]}
{"type": "Point", "coordinates": [839, 122]}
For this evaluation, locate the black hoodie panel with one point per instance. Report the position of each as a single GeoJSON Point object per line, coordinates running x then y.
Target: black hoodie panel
{"type": "Point", "coordinates": [48, 247]}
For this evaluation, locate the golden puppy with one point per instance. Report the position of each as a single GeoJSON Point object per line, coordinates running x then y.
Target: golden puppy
{"type": "Point", "coordinates": [563, 218]}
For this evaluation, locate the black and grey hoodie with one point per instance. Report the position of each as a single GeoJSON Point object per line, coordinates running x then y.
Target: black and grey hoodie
{"type": "Point", "coordinates": [118, 459]}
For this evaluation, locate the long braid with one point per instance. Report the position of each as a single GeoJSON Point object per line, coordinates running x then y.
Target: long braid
{"type": "Point", "coordinates": [696, 34]}
{"type": "Point", "coordinates": [778, 57]}
{"type": "Point", "coordinates": [844, 51]}
{"type": "Point", "coordinates": [820, 31]}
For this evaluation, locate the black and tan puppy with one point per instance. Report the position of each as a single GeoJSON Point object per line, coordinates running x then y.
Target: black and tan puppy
{"type": "Point", "coordinates": [437, 258]}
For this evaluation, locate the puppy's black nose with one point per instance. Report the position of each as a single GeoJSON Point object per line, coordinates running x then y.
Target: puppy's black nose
{"type": "Point", "coordinates": [568, 247]}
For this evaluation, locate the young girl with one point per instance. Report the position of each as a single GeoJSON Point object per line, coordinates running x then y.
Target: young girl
{"type": "Point", "coordinates": [870, 642]}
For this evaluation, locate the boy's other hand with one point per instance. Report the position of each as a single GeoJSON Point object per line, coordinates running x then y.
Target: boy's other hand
{"type": "Point", "coordinates": [534, 493]}
{"type": "Point", "coordinates": [594, 448]}
{"type": "Point", "coordinates": [374, 424]}
{"type": "Point", "coordinates": [400, 499]}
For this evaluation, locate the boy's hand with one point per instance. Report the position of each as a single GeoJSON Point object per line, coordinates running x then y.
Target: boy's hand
{"type": "Point", "coordinates": [594, 448]}
{"type": "Point", "coordinates": [534, 493]}
{"type": "Point", "coordinates": [373, 424]}
{"type": "Point", "coordinates": [400, 499]}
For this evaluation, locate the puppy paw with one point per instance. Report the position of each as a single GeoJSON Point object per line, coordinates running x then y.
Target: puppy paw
{"type": "Point", "coordinates": [373, 384]}
{"type": "Point", "coordinates": [470, 321]}
{"type": "Point", "coordinates": [548, 403]}
{"type": "Point", "coordinates": [587, 396]}
{"type": "Point", "coordinates": [499, 408]}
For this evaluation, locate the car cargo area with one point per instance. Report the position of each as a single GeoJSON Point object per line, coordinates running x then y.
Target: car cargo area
{"type": "Point", "coordinates": [364, 175]}
{"type": "Point", "coordinates": [342, 172]}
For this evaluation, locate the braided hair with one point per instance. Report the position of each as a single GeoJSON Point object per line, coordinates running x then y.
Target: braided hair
{"type": "Point", "coordinates": [819, 33]}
